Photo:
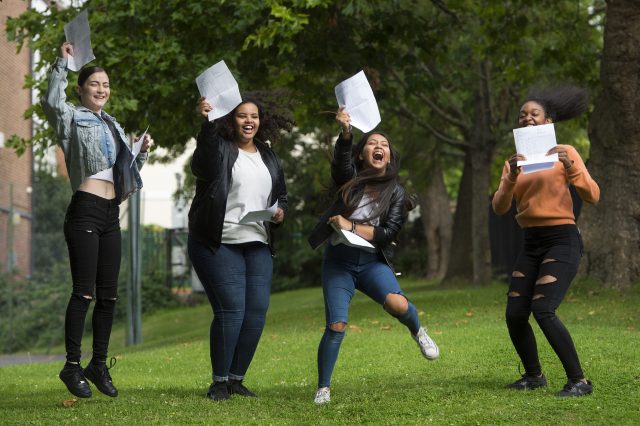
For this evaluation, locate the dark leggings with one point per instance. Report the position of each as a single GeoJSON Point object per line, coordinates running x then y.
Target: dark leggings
{"type": "Point", "coordinates": [92, 232]}
{"type": "Point", "coordinates": [539, 282]}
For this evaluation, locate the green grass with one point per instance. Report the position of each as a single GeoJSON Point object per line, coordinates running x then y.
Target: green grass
{"type": "Point", "coordinates": [380, 376]}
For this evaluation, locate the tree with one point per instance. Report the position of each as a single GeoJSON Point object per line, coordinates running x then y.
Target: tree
{"type": "Point", "coordinates": [612, 228]}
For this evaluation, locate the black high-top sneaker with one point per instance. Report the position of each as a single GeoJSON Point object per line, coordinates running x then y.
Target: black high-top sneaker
{"type": "Point", "coordinates": [73, 377]}
{"type": "Point", "coordinates": [99, 375]}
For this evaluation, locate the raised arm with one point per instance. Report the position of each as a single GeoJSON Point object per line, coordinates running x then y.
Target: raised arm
{"type": "Point", "coordinates": [342, 166]}
{"type": "Point", "coordinates": [59, 113]}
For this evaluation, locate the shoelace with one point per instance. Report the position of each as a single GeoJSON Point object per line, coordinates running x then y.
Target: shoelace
{"type": "Point", "coordinates": [105, 371]}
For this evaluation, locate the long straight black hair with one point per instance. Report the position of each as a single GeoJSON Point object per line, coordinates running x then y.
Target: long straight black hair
{"type": "Point", "coordinates": [379, 188]}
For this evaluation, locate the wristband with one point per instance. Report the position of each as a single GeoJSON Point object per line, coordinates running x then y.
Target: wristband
{"type": "Point", "coordinates": [353, 227]}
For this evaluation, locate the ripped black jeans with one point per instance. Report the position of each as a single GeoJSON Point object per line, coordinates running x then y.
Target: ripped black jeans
{"type": "Point", "coordinates": [540, 279]}
{"type": "Point", "coordinates": [92, 232]}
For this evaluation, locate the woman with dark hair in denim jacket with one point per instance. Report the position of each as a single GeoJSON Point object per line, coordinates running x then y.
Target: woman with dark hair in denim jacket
{"type": "Point", "coordinates": [98, 162]}
{"type": "Point", "coordinates": [371, 203]}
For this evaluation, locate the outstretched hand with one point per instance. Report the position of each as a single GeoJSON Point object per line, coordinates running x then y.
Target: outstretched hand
{"type": "Point", "coordinates": [344, 120]}
{"type": "Point", "coordinates": [204, 107]}
{"type": "Point", "coordinates": [66, 50]}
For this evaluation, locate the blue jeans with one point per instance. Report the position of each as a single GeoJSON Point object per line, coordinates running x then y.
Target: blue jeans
{"type": "Point", "coordinates": [237, 280]}
{"type": "Point", "coordinates": [345, 269]}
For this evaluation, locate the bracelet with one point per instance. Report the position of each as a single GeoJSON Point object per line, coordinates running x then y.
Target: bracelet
{"type": "Point", "coordinates": [353, 227]}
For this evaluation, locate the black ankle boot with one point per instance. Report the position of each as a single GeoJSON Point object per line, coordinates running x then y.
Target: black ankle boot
{"type": "Point", "coordinates": [73, 377]}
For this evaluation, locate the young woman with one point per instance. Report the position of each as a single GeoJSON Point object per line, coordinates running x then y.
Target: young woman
{"type": "Point", "coordinates": [372, 204]}
{"type": "Point", "coordinates": [236, 172]}
{"type": "Point", "coordinates": [97, 158]}
{"type": "Point", "coordinates": [552, 244]}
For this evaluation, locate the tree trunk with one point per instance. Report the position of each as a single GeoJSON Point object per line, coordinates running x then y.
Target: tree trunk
{"type": "Point", "coordinates": [460, 260]}
{"type": "Point", "coordinates": [611, 230]}
{"type": "Point", "coordinates": [471, 251]}
{"type": "Point", "coordinates": [437, 221]}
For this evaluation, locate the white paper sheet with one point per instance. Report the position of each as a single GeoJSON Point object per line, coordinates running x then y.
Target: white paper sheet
{"type": "Point", "coordinates": [350, 239]}
{"type": "Point", "coordinates": [137, 146]}
{"type": "Point", "coordinates": [77, 33]}
{"type": "Point", "coordinates": [534, 142]}
{"type": "Point", "coordinates": [220, 88]}
{"type": "Point", "coordinates": [356, 96]}
{"type": "Point", "coordinates": [260, 215]}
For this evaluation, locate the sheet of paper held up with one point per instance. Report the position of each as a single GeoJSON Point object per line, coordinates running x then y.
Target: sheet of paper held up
{"type": "Point", "coordinates": [220, 88]}
{"type": "Point", "coordinates": [356, 96]}
{"type": "Point", "coordinates": [137, 146]}
{"type": "Point", "coordinates": [353, 240]}
{"type": "Point", "coordinates": [260, 215]}
{"type": "Point", "coordinates": [77, 33]}
{"type": "Point", "coordinates": [534, 142]}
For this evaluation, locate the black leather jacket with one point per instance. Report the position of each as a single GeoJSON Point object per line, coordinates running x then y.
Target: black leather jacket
{"type": "Point", "coordinates": [212, 164]}
{"type": "Point", "coordinates": [343, 169]}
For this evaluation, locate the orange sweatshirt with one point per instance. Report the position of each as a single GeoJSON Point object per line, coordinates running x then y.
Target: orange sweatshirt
{"type": "Point", "coordinates": [543, 198]}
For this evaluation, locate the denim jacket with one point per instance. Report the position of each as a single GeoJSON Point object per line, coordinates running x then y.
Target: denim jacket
{"type": "Point", "coordinates": [83, 136]}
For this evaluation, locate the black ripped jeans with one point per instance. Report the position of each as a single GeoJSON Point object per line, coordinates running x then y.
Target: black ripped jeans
{"type": "Point", "coordinates": [541, 277]}
{"type": "Point", "coordinates": [92, 232]}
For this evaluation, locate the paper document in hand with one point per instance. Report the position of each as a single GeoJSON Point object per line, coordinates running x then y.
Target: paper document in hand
{"type": "Point", "coordinates": [260, 215]}
{"type": "Point", "coordinates": [220, 88]}
{"type": "Point", "coordinates": [356, 96]}
{"type": "Point", "coordinates": [77, 33]}
{"type": "Point", "coordinates": [137, 146]}
{"type": "Point", "coordinates": [350, 239]}
{"type": "Point", "coordinates": [534, 142]}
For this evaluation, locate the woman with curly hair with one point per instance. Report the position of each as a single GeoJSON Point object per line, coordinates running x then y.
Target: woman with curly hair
{"type": "Point", "coordinates": [236, 172]}
{"type": "Point", "coordinates": [552, 243]}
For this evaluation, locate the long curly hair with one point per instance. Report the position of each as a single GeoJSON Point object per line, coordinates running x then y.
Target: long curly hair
{"type": "Point", "coordinates": [379, 188]}
{"type": "Point", "coordinates": [560, 102]}
{"type": "Point", "coordinates": [274, 118]}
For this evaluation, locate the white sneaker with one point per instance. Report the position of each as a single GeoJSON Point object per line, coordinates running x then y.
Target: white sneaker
{"type": "Point", "coordinates": [428, 347]}
{"type": "Point", "coordinates": [323, 396]}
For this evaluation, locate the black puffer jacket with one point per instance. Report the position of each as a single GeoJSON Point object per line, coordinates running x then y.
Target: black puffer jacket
{"type": "Point", "coordinates": [343, 169]}
{"type": "Point", "coordinates": [212, 164]}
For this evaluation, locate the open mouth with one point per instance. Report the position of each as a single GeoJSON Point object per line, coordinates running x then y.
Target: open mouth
{"type": "Point", "coordinates": [248, 128]}
{"type": "Point", "coordinates": [378, 156]}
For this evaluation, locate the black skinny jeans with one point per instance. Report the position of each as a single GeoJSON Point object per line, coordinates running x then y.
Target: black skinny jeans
{"type": "Point", "coordinates": [92, 232]}
{"type": "Point", "coordinates": [541, 277]}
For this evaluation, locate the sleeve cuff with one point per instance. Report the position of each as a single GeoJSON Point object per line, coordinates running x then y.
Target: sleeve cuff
{"type": "Point", "coordinates": [61, 63]}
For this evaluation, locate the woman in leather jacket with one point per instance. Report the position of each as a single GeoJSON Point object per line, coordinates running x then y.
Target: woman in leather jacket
{"type": "Point", "coordinates": [99, 164]}
{"type": "Point", "coordinates": [372, 204]}
{"type": "Point", "coordinates": [236, 172]}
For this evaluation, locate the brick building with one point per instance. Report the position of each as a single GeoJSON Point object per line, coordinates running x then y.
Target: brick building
{"type": "Point", "coordinates": [16, 172]}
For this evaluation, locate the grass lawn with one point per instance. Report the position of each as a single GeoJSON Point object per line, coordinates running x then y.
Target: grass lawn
{"type": "Point", "coordinates": [380, 377]}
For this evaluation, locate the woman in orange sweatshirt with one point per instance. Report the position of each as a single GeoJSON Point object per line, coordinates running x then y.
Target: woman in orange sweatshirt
{"type": "Point", "coordinates": [552, 248]}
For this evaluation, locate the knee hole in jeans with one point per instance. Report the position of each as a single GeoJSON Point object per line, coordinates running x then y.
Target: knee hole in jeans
{"type": "Point", "coordinates": [517, 274]}
{"type": "Point", "coordinates": [395, 304]}
{"type": "Point", "coordinates": [338, 326]}
{"type": "Point", "coordinates": [548, 261]}
{"type": "Point", "coordinates": [514, 294]}
{"type": "Point", "coordinates": [546, 279]}
{"type": "Point", "coordinates": [537, 296]}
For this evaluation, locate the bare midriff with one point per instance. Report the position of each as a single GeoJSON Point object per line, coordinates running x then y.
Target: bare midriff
{"type": "Point", "coordinates": [101, 188]}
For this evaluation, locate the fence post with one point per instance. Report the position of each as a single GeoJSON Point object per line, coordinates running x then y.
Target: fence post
{"type": "Point", "coordinates": [134, 302]}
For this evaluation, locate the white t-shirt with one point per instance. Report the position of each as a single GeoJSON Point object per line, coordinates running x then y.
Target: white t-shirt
{"type": "Point", "coordinates": [250, 190]}
{"type": "Point", "coordinates": [107, 174]}
{"type": "Point", "coordinates": [364, 212]}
